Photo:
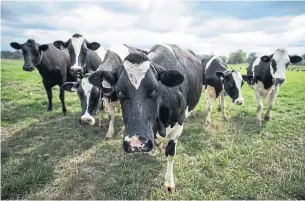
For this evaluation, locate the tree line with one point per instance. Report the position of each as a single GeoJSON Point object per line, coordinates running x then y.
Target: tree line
{"type": "Point", "coordinates": [238, 57]}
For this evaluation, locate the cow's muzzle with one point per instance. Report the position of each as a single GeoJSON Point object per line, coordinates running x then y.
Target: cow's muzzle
{"type": "Point", "coordinates": [239, 101]}
{"type": "Point", "coordinates": [137, 144]}
{"type": "Point", "coordinates": [77, 71]}
{"type": "Point", "coordinates": [28, 67]}
{"type": "Point", "coordinates": [279, 81]}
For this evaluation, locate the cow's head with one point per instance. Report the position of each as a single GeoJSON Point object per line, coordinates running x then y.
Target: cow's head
{"type": "Point", "coordinates": [138, 84]}
{"type": "Point", "coordinates": [32, 53]}
{"type": "Point", "coordinates": [89, 96]}
{"type": "Point", "coordinates": [279, 62]}
{"type": "Point", "coordinates": [78, 47]}
{"type": "Point", "coordinates": [232, 82]}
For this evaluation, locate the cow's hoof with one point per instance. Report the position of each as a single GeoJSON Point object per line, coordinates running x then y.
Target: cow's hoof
{"type": "Point", "coordinates": [170, 189]}
{"type": "Point", "coordinates": [267, 118]}
{"type": "Point", "coordinates": [50, 110]}
{"type": "Point", "coordinates": [64, 113]}
{"type": "Point", "coordinates": [109, 135]}
{"type": "Point", "coordinates": [219, 109]}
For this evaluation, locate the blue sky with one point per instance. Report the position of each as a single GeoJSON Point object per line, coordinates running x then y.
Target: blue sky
{"type": "Point", "coordinates": [205, 27]}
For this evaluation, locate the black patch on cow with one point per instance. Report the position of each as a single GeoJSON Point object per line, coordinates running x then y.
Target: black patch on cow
{"type": "Point", "coordinates": [136, 58]}
{"type": "Point", "coordinates": [170, 148]}
{"type": "Point", "coordinates": [77, 35]}
{"type": "Point", "coordinates": [273, 65]}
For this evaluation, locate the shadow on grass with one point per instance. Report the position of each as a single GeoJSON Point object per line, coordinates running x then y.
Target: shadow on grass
{"type": "Point", "coordinates": [56, 158]}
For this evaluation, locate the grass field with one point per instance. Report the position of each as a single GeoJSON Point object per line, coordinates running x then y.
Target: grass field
{"type": "Point", "coordinates": [46, 155]}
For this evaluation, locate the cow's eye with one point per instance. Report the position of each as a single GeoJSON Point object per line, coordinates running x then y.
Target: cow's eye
{"type": "Point", "coordinates": [121, 95]}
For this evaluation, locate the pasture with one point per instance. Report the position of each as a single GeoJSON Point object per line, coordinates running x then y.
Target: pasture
{"type": "Point", "coordinates": [45, 155]}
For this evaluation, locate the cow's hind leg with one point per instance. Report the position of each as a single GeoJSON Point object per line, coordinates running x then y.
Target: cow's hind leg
{"type": "Point", "coordinates": [170, 153]}
{"type": "Point", "coordinates": [111, 113]}
{"type": "Point", "coordinates": [259, 107]}
{"type": "Point", "coordinates": [209, 106]}
{"type": "Point", "coordinates": [62, 99]}
{"type": "Point", "coordinates": [271, 101]}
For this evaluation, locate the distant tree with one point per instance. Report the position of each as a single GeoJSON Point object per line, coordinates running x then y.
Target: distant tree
{"type": "Point", "coordinates": [251, 57]}
{"type": "Point", "coordinates": [11, 55]}
{"type": "Point", "coordinates": [237, 57]}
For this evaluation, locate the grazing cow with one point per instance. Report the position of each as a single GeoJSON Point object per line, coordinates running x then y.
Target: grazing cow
{"type": "Point", "coordinates": [91, 96]}
{"type": "Point", "coordinates": [52, 64]}
{"type": "Point", "coordinates": [157, 92]}
{"type": "Point", "coordinates": [268, 75]}
{"type": "Point", "coordinates": [218, 80]}
{"type": "Point", "coordinates": [84, 58]}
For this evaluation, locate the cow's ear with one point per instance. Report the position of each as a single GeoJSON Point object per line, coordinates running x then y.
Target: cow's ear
{"type": "Point", "coordinates": [93, 45]}
{"type": "Point", "coordinates": [16, 45]}
{"type": "Point", "coordinates": [70, 86]}
{"type": "Point", "coordinates": [171, 78]}
{"type": "Point", "coordinates": [60, 44]}
{"type": "Point", "coordinates": [247, 77]}
{"type": "Point", "coordinates": [220, 75]}
{"type": "Point", "coordinates": [43, 47]}
{"type": "Point", "coordinates": [266, 58]}
{"type": "Point", "coordinates": [295, 59]}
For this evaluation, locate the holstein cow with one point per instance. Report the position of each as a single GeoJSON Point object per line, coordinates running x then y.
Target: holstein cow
{"type": "Point", "coordinates": [52, 64]}
{"type": "Point", "coordinates": [84, 58]}
{"type": "Point", "coordinates": [268, 75]}
{"type": "Point", "coordinates": [218, 80]}
{"type": "Point", "coordinates": [91, 96]}
{"type": "Point", "coordinates": [157, 92]}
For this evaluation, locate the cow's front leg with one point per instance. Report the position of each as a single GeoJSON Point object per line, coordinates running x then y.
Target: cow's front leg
{"type": "Point", "coordinates": [170, 153]}
{"type": "Point", "coordinates": [259, 107]}
{"type": "Point", "coordinates": [222, 106]}
{"type": "Point", "coordinates": [111, 113]}
{"type": "Point", "coordinates": [209, 106]}
{"type": "Point", "coordinates": [271, 101]}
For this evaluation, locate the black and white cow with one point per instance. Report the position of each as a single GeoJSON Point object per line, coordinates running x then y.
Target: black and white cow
{"type": "Point", "coordinates": [85, 56]}
{"type": "Point", "coordinates": [91, 96]}
{"type": "Point", "coordinates": [52, 64]}
{"type": "Point", "coordinates": [217, 81]}
{"type": "Point", "coordinates": [268, 75]}
{"type": "Point", "coordinates": [157, 92]}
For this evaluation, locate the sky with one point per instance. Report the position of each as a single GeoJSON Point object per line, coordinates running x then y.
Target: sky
{"type": "Point", "coordinates": [205, 27]}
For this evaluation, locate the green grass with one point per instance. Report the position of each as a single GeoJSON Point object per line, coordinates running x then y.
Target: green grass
{"type": "Point", "coordinates": [46, 155]}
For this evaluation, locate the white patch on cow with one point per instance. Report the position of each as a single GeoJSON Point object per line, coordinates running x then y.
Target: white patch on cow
{"type": "Point", "coordinates": [238, 79]}
{"type": "Point", "coordinates": [281, 58]}
{"type": "Point", "coordinates": [260, 89]}
{"type": "Point", "coordinates": [101, 52]}
{"type": "Point", "coordinates": [255, 63]}
{"type": "Point", "coordinates": [87, 87]}
{"type": "Point", "coordinates": [77, 45]}
{"type": "Point", "coordinates": [136, 72]}
{"type": "Point", "coordinates": [209, 62]}
{"type": "Point", "coordinates": [134, 142]}
{"type": "Point", "coordinates": [187, 112]}
{"type": "Point", "coordinates": [121, 50]}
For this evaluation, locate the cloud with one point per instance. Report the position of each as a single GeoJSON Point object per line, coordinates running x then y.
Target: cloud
{"type": "Point", "coordinates": [146, 23]}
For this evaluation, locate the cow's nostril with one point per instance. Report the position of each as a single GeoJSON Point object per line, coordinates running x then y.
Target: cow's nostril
{"type": "Point", "coordinates": [143, 140]}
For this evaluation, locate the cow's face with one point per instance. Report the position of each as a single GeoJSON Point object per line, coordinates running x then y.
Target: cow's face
{"type": "Point", "coordinates": [232, 82]}
{"type": "Point", "coordinates": [78, 47]}
{"type": "Point", "coordinates": [138, 85]}
{"type": "Point", "coordinates": [89, 96]}
{"type": "Point", "coordinates": [279, 62]}
{"type": "Point", "coordinates": [32, 53]}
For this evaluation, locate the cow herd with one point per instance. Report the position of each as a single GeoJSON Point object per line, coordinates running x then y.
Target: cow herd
{"type": "Point", "coordinates": [155, 90]}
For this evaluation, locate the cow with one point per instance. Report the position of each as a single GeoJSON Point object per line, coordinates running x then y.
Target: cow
{"type": "Point", "coordinates": [85, 57]}
{"type": "Point", "coordinates": [268, 75]}
{"type": "Point", "coordinates": [218, 80]}
{"type": "Point", "coordinates": [157, 93]}
{"type": "Point", "coordinates": [92, 97]}
{"type": "Point", "coordinates": [52, 64]}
